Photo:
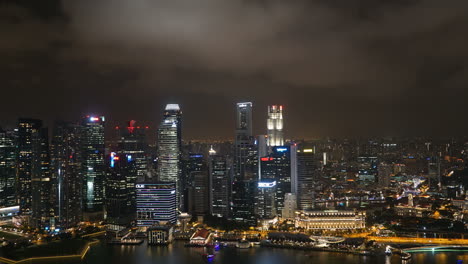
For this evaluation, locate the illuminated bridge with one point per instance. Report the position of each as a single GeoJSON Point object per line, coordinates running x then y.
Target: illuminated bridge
{"type": "Point", "coordinates": [435, 249]}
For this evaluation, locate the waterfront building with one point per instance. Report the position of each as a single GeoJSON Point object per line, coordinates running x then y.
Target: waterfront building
{"type": "Point", "coordinates": [93, 167]}
{"type": "Point", "coordinates": [66, 162]}
{"type": "Point", "coordinates": [7, 168]}
{"type": "Point", "coordinates": [330, 219]}
{"type": "Point", "coordinates": [275, 125]}
{"type": "Point", "coordinates": [160, 235]}
{"type": "Point", "coordinates": [156, 203]}
{"type": "Point", "coordinates": [169, 147]}
{"type": "Point", "coordinates": [201, 237]}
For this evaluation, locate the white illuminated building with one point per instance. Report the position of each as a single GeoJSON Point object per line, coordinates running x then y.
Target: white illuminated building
{"type": "Point", "coordinates": [275, 126]}
{"type": "Point", "coordinates": [169, 143]}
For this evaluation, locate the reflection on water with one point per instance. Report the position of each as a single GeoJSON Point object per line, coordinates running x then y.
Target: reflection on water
{"type": "Point", "coordinates": [178, 254]}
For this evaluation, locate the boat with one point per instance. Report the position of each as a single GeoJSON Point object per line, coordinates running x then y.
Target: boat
{"type": "Point", "coordinates": [243, 244]}
{"type": "Point", "coordinates": [388, 251]}
{"type": "Point", "coordinates": [405, 256]}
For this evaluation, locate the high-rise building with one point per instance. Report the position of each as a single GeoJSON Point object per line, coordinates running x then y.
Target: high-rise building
{"type": "Point", "coordinates": [277, 166]}
{"type": "Point", "coordinates": [42, 184]}
{"type": "Point", "coordinates": [220, 182]}
{"type": "Point", "coordinates": [28, 129]}
{"type": "Point", "coordinates": [305, 183]}
{"type": "Point", "coordinates": [133, 150]}
{"type": "Point", "coordinates": [275, 125]}
{"type": "Point", "coordinates": [169, 147]}
{"type": "Point", "coordinates": [156, 203]}
{"type": "Point", "coordinates": [245, 166]}
{"type": "Point", "coordinates": [118, 205]}
{"type": "Point", "coordinates": [66, 162]}
{"type": "Point", "coordinates": [290, 206]}
{"type": "Point", "coordinates": [7, 168]}
{"type": "Point", "coordinates": [196, 184]}
{"type": "Point", "coordinates": [265, 202]}
{"type": "Point", "coordinates": [93, 167]}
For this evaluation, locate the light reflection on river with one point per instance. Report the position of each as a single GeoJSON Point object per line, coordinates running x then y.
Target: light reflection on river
{"type": "Point", "coordinates": [178, 254]}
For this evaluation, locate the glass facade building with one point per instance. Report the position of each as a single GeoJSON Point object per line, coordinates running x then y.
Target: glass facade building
{"type": "Point", "coordinates": [156, 203]}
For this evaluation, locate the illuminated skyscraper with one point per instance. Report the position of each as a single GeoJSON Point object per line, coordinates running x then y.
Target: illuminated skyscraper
{"type": "Point", "coordinates": [28, 130]}
{"type": "Point", "coordinates": [245, 166]}
{"type": "Point", "coordinates": [66, 169]}
{"type": "Point", "coordinates": [265, 202]}
{"type": "Point", "coordinates": [169, 146]}
{"type": "Point", "coordinates": [275, 126]}
{"type": "Point", "coordinates": [277, 167]}
{"type": "Point", "coordinates": [7, 168]}
{"type": "Point", "coordinates": [93, 167]}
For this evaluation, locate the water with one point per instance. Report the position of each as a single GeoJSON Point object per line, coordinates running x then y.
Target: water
{"type": "Point", "coordinates": [178, 254]}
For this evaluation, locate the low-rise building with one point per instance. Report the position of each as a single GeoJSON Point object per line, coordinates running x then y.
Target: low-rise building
{"type": "Point", "coordinates": [201, 237]}
{"type": "Point", "coordinates": [330, 219]}
{"type": "Point", "coordinates": [160, 235]}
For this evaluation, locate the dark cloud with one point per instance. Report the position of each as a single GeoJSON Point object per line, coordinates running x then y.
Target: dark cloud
{"type": "Point", "coordinates": [342, 67]}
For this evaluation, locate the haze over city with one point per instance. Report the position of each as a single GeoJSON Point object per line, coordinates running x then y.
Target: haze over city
{"type": "Point", "coordinates": [340, 68]}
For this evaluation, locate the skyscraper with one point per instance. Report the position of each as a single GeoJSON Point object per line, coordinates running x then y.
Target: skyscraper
{"type": "Point", "coordinates": [66, 154]}
{"type": "Point", "coordinates": [169, 147]}
{"type": "Point", "coordinates": [42, 182]}
{"type": "Point", "coordinates": [265, 202]}
{"type": "Point", "coordinates": [28, 130]}
{"type": "Point", "coordinates": [7, 168]}
{"type": "Point", "coordinates": [275, 126]}
{"type": "Point", "coordinates": [245, 166]}
{"type": "Point", "coordinates": [305, 184]}
{"type": "Point", "coordinates": [277, 167]}
{"type": "Point", "coordinates": [156, 203]}
{"type": "Point", "coordinates": [220, 185]}
{"type": "Point", "coordinates": [118, 194]}
{"type": "Point", "coordinates": [133, 152]}
{"type": "Point", "coordinates": [93, 167]}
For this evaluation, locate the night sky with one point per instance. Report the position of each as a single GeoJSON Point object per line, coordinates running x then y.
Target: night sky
{"type": "Point", "coordinates": [340, 67]}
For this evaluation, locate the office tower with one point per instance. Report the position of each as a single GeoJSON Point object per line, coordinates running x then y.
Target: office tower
{"type": "Point", "coordinates": [277, 166]}
{"type": "Point", "coordinates": [118, 205]}
{"type": "Point", "coordinates": [93, 167]}
{"type": "Point", "coordinates": [66, 154]}
{"type": "Point", "coordinates": [169, 147]}
{"type": "Point", "coordinates": [42, 183]}
{"type": "Point", "coordinates": [7, 168]}
{"type": "Point", "coordinates": [133, 150]}
{"type": "Point", "coordinates": [265, 203]}
{"type": "Point", "coordinates": [275, 125]}
{"type": "Point", "coordinates": [245, 166]}
{"type": "Point", "coordinates": [305, 167]}
{"type": "Point", "coordinates": [290, 206]}
{"type": "Point", "coordinates": [219, 185]}
{"type": "Point", "coordinates": [28, 130]}
{"type": "Point", "coordinates": [156, 203]}
{"type": "Point", "coordinates": [196, 184]}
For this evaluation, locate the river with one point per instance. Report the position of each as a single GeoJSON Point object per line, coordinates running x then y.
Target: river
{"type": "Point", "coordinates": [178, 254]}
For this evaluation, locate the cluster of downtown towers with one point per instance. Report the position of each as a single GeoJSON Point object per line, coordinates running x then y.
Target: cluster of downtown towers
{"type": "Point", "coordinates": [75, 177]}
